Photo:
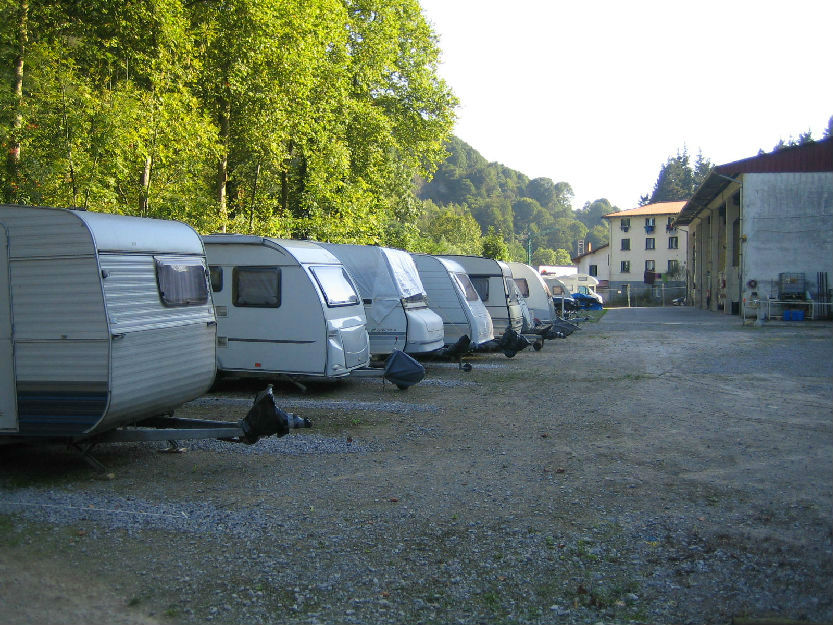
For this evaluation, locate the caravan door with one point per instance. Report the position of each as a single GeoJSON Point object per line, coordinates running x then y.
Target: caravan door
{"type": "Point", "coordinates": [8, 390]}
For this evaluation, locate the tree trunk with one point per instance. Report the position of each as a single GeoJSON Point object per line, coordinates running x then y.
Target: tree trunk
{"type": "Point", "coordinates": [17, 122]}
{"type": "Point", "coordinates": [222, 166]}
{"type": "Point", "coordinates": [285, 179]}
{"type": "Point", "coordinates": [144, 187]}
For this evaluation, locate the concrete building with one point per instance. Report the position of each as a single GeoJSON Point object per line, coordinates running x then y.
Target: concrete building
{"type": "Point", "coordinates": [595, 263]}
{"type": "Point", "coordinates": [761, 230]}
{"type": "Point", "coordinates": [647, 254]}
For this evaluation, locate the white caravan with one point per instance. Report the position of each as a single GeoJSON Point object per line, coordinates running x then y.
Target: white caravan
{"type": "Point", "coordinates": [105, 320]}
{"type": "Point", "coordinates": [453, 297]}
{"type": "Point", "coordinates": [535, 291]}
{"type": "Point", "coordinates": [398, 317]}
{"type": "Point", "coordinates": [284, 308]}
{"type": "Point", "coordinates": [494, 283]}
{"type": "Point", "coordinates": [583, 284]}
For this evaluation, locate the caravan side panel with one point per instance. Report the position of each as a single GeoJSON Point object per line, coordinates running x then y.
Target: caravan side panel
{"type": "Point", "coordinates": [8, 393]}
{"type": "Point", "coordinates": [181, 356]}
{"type": "Point", "coordinates": [60, 342]}
{"type": "Point", "coordinates": [161, 356]}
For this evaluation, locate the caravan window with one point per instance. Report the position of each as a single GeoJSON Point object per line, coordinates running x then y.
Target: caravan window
{"type": "Point", "coordinates": [216, 273]}
{"type": "Point", "coordinates": [467, 286]}
{"type": "Point", "coordinates": [523, 286]}
{"type": "Point", "coordinates": [511, 290]}
{"type": "Point", "coordinates": [481, 285]}
{"type": "Point", "coordinates": [335, 285]}
{"type": "Point", "coordinates": [257, 287]}
{"type": "Point", "coordinates": [181, 281]}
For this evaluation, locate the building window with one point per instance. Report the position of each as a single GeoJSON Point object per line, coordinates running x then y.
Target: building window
{"type": "Point", "coordinates": [650, 243]}
{"type": "Point", "coordinates": [673, 267]}
{"type": "Point", "coordinates": [650, 265]}
{"type": "Point", "coordinates": [625, 224]}
{"type": "Point", "coordinates": [594, 270]}
{"type": "Point", "coordinates": [673, 243]}
{"type": "Point", "coordinates": [649, 224]}
{"type": "Point", "coordinates": [626, 266]}
{"type": "Point", "coordinates": [626, 245]}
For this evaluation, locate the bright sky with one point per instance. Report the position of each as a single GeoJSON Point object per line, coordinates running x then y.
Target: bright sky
{"type": "Point", "coordinates": [600, 93]}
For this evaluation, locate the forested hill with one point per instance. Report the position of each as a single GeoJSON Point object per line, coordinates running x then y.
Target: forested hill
{"type": "Point", "coordinates": [513, 206]}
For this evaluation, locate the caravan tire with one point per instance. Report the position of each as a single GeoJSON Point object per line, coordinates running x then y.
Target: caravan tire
{"type": "Point", "coordinates": [538, 346]}
{"type": "Point", "coordinates": [509, 353]}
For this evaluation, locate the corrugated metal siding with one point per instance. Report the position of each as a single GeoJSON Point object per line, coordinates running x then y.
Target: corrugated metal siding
{"type": "Point", "coordinates": [37, 232]}
{"type": "Point", "coordinates": [57, 299]}
{"type": "Point", "coordinates": [61, 361]}
{"type": "Point", "coordinates": [132, 295]}
{"type": "Point", "coordinates": [156, 371]}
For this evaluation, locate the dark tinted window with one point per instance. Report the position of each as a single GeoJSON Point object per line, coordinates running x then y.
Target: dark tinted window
{"type": "Point", "coordinates": [258, 287]}
{"type": "Point", "coordinates": [181, 282]}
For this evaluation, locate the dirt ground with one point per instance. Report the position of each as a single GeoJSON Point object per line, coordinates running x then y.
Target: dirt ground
{"type": "Point", "coordinates": [673, 457]}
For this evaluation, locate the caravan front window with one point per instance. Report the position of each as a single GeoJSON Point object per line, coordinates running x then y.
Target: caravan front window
{"type": "Point", "coordinates": [181, 281]}
{"type": "Point", "coordinates": [466, 286]}
{"type": "Point", "coordinates": [511, 290]}
{"type": "Point", "coordinates": [335, 285]}
{"type": "Point", "coordinates": [256, 287]}
{"type": "Point", "coordinates": [481, 285]}
{"type": "Point", "coordinates": [523, 286]}
{"type": "Point", "coordinates": [417, 298]}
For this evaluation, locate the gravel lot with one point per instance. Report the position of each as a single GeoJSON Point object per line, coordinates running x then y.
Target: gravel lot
{"type": "Point", "coordinates": [661, 465]}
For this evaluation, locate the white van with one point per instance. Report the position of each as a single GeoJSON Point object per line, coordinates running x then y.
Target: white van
{"type": "Point", "coordinates": [494, 283]}
{"type": "Point", "coordinates": [453, 297]}
{"type": "Point", "coordinates": [395, 302]}
{"type": "Point", "coordinates": [284, 308]}
{"type": "Point", "coordinates": [105, 320]}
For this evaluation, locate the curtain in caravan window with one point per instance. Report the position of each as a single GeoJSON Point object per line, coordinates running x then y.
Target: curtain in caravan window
{"type": "Point", "coordinates": [258, 287]}
{"type": "Point", "coordinates": [181, 281]}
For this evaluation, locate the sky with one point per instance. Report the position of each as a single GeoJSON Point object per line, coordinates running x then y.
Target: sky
{"type": "Point", "coordinates": [600, 93]}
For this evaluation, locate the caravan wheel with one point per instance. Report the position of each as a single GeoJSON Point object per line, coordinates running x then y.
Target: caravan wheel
{"type": "Point", "coordinates": [538, 346]}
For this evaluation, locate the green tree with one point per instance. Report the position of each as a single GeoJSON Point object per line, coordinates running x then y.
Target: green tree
{"type": "Point", "coordinates": [448, 230]}
{"type": "Point", "coordinates": [678, 178]}
{"type": "Point", "coordinates": [562, 257]}
{"type": "Point", "coordinates": [544, 256]}
{"type": "Point", "coordinates": [494, 246]}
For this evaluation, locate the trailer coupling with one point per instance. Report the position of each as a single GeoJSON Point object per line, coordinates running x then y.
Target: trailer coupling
{"type": "Point", "coordinates": [265, 418]}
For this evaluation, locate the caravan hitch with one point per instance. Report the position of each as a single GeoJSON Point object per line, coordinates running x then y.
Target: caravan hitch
{"type": "Point", "coordinates": [266, 418]}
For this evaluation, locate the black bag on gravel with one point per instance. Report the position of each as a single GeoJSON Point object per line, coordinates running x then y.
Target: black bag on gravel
{"type": "Point", "coordinates": [403, 370]}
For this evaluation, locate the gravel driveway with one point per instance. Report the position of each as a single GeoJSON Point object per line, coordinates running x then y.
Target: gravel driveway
{"type": "Point", "coordinates": [661, 465]}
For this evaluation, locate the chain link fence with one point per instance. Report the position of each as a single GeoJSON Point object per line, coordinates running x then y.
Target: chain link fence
{"type": "Point", "coordinates": [638, 294]}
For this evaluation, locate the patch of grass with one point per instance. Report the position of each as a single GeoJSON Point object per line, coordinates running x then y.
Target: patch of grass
{"type": "Point", "coordinates": [8, 537]}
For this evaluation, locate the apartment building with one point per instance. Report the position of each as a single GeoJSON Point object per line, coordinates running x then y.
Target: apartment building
{"type": "Point", "coordinates": [647, 252]}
